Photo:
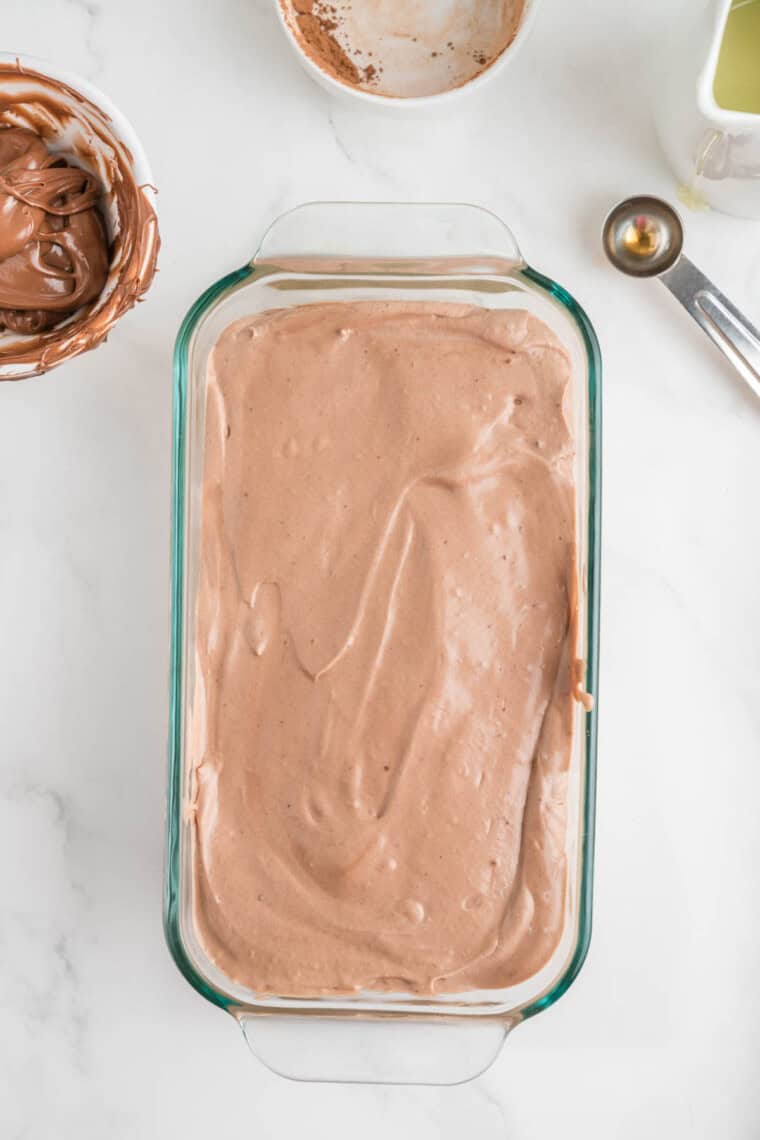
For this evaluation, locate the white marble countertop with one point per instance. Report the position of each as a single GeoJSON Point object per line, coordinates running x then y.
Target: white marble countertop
{"type": "Point", "coordinates": [100, 1037]}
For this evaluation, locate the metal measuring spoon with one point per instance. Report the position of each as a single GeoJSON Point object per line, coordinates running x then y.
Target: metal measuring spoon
{"type": "Point", "coordinates": [643, 237]}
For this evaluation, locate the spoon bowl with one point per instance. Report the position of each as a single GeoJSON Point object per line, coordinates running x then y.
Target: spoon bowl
{"type": "Point", "coordinates": [643, 236]}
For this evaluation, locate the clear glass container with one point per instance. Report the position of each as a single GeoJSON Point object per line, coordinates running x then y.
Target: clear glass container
{"type": "Point", "coordinates": [340, 251]}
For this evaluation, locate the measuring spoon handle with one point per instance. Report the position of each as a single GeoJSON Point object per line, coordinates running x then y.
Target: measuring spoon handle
{"type": "Point", "coordinates": [726, 327]}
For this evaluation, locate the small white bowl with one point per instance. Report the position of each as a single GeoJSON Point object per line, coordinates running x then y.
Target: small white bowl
{"type": "Point", "coordinates": [111, 150]}
{"type": "Point", "coordinates": [411, 103]}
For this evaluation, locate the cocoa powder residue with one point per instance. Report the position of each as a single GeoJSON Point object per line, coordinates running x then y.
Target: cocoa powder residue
{"type": "Point", "coordinates": [316, 24]}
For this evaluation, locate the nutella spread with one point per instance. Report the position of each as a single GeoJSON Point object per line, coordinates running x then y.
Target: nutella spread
{"type": "Point", "coordinates": [53, 249]}
{"type": "Point", "coordinates": [78, 236]}
{"type": "Point", "coordinates": [384, 709]}
{"type": "Point", "coordinates": [392, 47]}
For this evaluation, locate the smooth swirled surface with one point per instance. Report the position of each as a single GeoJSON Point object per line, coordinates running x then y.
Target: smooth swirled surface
{"type": "Point", "coordinates": [385, 637]}
{"type": "Point", "coordinates": [53, 247]}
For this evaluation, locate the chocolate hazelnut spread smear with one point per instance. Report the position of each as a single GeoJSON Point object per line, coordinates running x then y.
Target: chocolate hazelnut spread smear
{"type": "Point", "coordinates": [386, 624]}
{"type": "Point", "coordinates": [89, 232]}
{"type": "Point", "coordinates": [53, 248]}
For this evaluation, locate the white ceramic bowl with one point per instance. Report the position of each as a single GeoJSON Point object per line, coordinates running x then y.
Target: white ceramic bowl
{"type": "Point", "coordinates": [113, 151]}
{"type": "Point", "coordinates": [412, 103]}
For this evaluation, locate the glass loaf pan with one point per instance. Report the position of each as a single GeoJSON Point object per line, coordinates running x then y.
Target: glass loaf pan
{"type": "Point", "coordinates": [338, 251]}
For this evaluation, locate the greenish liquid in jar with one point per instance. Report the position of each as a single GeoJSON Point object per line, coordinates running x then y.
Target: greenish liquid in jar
{"type": "Point", "coordinates": [737, 76]}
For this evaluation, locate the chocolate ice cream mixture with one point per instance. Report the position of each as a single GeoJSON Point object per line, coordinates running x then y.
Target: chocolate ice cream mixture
{"type": "Point", "coordinates": [383, 716]}
{"type": "Point", "coordinates": [53, 249]}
